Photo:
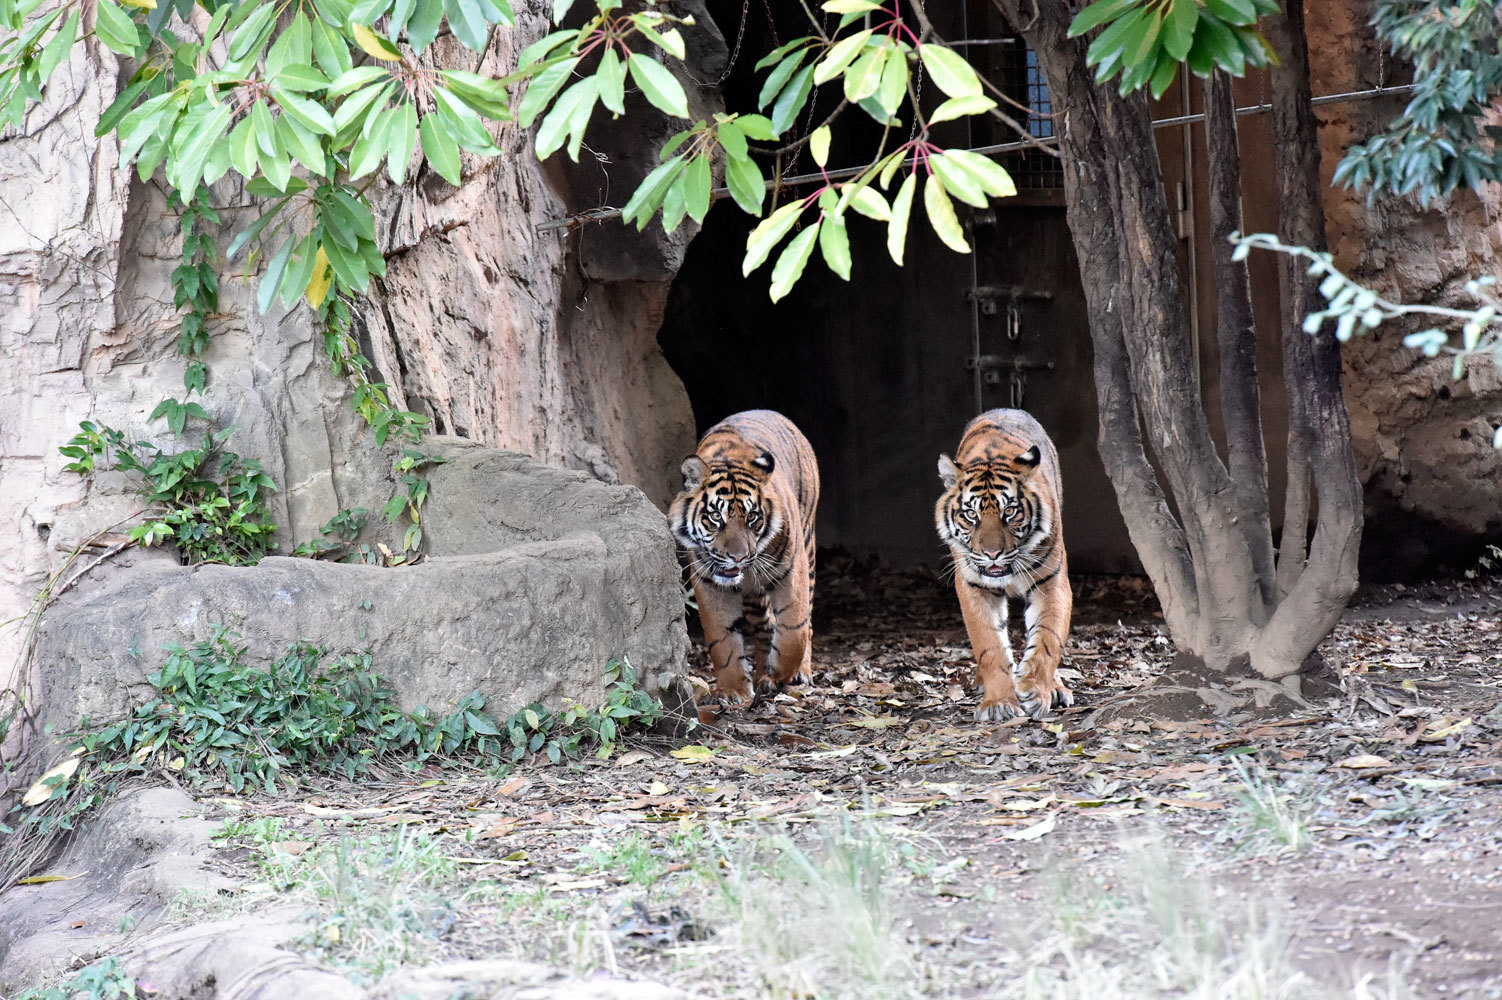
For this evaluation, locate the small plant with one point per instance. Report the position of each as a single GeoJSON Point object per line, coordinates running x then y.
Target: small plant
{"type": "Point", "coordinates": [634, 856]}
{"type": "Point", "coordinates": [103, 980]}
{"type": "Point", "coordinates": [1487, 562]}
{"type": "Point", "coordinates": [195, 287]}
{"type": "Point", "coordinates": [409, 500]}
{"type": "Point", "coordinates": [336, 536]}
{"type": "Point", "coordinates": [211, 504]}
{"type": "Point", "coordinates": [565, 734]}
{"type": "Point", "coordinates": [1270, 817]}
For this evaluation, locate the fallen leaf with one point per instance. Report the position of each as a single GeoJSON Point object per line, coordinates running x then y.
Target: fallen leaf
{"type": "Point", "coordinates": [1362, 761]}
{"type": "Point", "coordinates": [44, 879]}
{"type": "Point", "coordinates": [1190, 803]}
{"type": "Point", "coordinates": [877, 721]}
{"type": "Point", "coordinates": [1440, 734]}
{"type": "Point", "coordinates": [500, 828]}
{"type": "Point", "coordinates": [292, 847]}
{"type": "Point", "coordinates": [631, 757]}
{"type": "Point", "coordinates": [75, 925]}
{"type": "Point", "coordinates": [657, 788]}
{"type": "Point", "coordinates": [54, 778]}
{"type": "Point", "coordinates": [694, 753]}
{"type": "Point", "coordinates": [1038, 829]}
{"type": "Point", "coordinates": [998, 799]}
{"type": "Point", "coordinates": [517, 783]}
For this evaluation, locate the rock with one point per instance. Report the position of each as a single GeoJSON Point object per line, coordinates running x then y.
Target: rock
{"type": "Point", "coordinates": [134, 859]}
{"type": "Point", "coordinates": [537, 577]}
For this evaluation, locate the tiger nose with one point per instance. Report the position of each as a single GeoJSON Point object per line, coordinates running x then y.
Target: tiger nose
{"type": "Point", "coordinates": [993, 554]}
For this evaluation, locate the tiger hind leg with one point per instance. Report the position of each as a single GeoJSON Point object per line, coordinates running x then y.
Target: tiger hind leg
{"type": "Point", "coordinates": [1035, 676]}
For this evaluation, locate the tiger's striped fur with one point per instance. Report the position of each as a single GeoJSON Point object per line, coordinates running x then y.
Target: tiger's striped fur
{"type": "Point", "coordinates": [745, 519]}
{"type": "Point", "coordinates": [1002, 517]}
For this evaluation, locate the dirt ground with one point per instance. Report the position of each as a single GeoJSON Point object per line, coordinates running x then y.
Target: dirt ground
{"type": "Point", "coordinates": [1351, 848]}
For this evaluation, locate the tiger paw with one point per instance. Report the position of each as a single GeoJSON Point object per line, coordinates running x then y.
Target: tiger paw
{"type": "Point", "coordinates": [1039, 696]}
{"type": "Point", "coordinates": [732, 697]}
{"type": "Point", "coordinates": [998, 710]}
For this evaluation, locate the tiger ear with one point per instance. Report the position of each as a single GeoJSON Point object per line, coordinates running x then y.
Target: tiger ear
{"type": "Point", "coordinates": [1029, 459]}
{"type": "Point", "coordinates": [949, 473]}
{"type": "Point", "coordinates": [693, 472]}
{"type": "Point", "coordinates": [765, 462]}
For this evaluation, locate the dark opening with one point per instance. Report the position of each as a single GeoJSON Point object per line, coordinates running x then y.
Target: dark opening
{"type": "Point", "coordinates": [883, 372]}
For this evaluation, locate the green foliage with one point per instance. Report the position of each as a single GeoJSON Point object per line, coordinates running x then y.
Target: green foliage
{"type": "Point", "coordinates": [534, 729]}
{"type": "Point", "coordinates": [1444, 138]}
{"type": "Point", "coordinates": [209, 503]}
{"type": "Point", "coordinates": [336, 536]}
{"type": "Point", "coordinates": [105, 979]}
{"type": "Point", "coordinates": [1354, 309]}
{"type": "Point", "coordinates": [195, 288]}
{"type": "Point", "coordinates": [409, 500]}
{"type": "Point", "coordinates": [1144, 41]}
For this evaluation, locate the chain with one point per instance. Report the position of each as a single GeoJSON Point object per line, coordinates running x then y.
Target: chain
{"type": "Point", "coordinates": [1014, 319]}
{"type": "Point", "coordinates": [1017, 388]}
{"type": "Point", "coordinates": [740, 36]}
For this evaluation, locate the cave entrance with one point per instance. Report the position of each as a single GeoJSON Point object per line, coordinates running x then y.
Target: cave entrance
{"type": "Point", "coordinates": [883, 372]}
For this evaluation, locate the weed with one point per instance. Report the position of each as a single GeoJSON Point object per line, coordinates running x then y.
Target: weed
{"type": "Point", "coordinates": [211, 504]}
{"type": "Point", "coordinates": [1270, 817]}
{"type": "Point", "coordinates": [635, 856]}
{"type": "Point", "coordinates": [102, 980]}
{"type": "Point", "coordinates": [336, 536]}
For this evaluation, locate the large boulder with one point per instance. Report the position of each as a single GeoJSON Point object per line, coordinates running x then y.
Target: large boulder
{"type": "Point", "coordinates": [536, 577]}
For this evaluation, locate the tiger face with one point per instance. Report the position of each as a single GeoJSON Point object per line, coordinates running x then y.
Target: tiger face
{"type": "Point", "coordinates": [726, 518]}
{"type": "Point", "coordinates": [992, 518]}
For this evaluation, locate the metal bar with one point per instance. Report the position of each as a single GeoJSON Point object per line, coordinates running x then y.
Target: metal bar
{"type": "Point", "coordinates": [601, 214]}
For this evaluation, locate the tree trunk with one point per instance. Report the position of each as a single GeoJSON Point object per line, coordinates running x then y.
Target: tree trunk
{"type": "Point", "coordinates": [1205, 539]}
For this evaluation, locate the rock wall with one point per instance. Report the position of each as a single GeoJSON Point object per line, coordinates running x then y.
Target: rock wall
{"type": "Point", "coordinates": [1423, 441]}
{"type": "Point", "coordinates": [502, 334]}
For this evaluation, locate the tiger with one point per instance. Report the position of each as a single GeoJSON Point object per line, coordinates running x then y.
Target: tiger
{"type": "Point", "coordinates": [1001, 515]}
{"type": "Point", "coordinates": [745, 521]}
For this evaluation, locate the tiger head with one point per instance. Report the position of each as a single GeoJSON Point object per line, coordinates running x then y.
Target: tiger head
{"type": "Point", "coordinates": [726, 516]}
{"type": "Point", "coordinates": [992, 516]}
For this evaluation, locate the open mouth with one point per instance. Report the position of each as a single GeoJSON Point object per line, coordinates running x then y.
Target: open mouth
{"type": "Point", "coordinates": [722, 574]}
{"type": "Point", "coordinates": [995, 571]}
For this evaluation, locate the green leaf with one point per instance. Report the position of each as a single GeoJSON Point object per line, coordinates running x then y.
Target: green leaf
{"type": "Point", "coordinates": [309, 114]}
{"type": "Point", "coordinates": [544, 46]}
{"type": "Point", "coordinates": [1238, 13]}
{"type": "Point", "coordinates": [768, 234]}
{"type": "Point", "coordinates": [440, 149]}
{"type": "Point", "coordinates": [264, 128]}
{"type": "Point", "coordinates": [560, 122]}
{"type": "Point", "coordinates": [299, 271]}
{"type": "Point", "coordinates": [612, 74]}
{"type": "Point", "coordinates": [697, 184]}
{"type": "Point", "coordinates": [300, 78]}
{"type": "Point", "coordinates": [116, 29]}
{"type": "Point", "coordinates": [818, 145]}
{"type": "Point", "coordinates": [746, 184]}
{"type": "Point", "coordinates": [57, 49]}
{"type": "Point", "coordinates": [301, 143]}
{"type": "Point", "coordinates": [990, 175]}
{"type": "Point", "coordinates": [370, 148]}
{"type": "Point", "coordinates": [120, 107]}
{"type": "Point", "coordinates": [869, 202]}
{"type": "Point", "coordinates": [956, 180]}
{"type": "Point", "coordinates": [902, 206]}
{"type": "Point", "coordinates": [778, 78]}
{"type": "Point", "coordinates": [1097, 14]}
{"type": "Point", "coordinates": [273, 276]}
{"type": "Point", "coordinates": [661, 88]}
{"type": "Point", "coordinates": [356, 105]}
{"type": "Point", "coordinates": [790, 264]}
{"type": "Point", "coordinates": [542, 88]}
{"type": "Point", "coordinates": [893, 86]}
{"type": "Point", "coordinates": [840, 55]}
{"type": "Point", "coordinates": [402, 141]}
{"type": "Point", "coordinates": [253, 231]}
{"type": "Point", "coordinates": [732, 139]}
{"type": "Point", "coordinates": [792, 99]}
{"type": "Point", "coordinates": [199, 141]}
{"type": "Point", "coordinates": [779, 53]}
{"type": "Point", "coordinates": [758, 127]}
{"type": "Point", "coordinates": [959, 107]}
{"type": "Point", "coordinates": [1178, 35]}
{"type": "Point", "coordinates": [330, 50]}
{"type": "Point", "coordinates": [670, 41]}
{"type": "Point", "coordinates": [941, 216]}
{"type": "Point", "coordinates": [674, 203]}
{"type": "Point", "coordinates": [834, 244]}
{"type": "Point", "coordinates": [354, 79]}
{"type": "Point", "coordinates": [865, 76]}
{"type": "Point", "coordinates": [950, 72]}
{"type": "Point", "coordinates": [252, 32]}
{"type": "Point", "coordinates": [423, 28]}
{"type": "Point", "coordinates": [649, 193]}
{"type": "Point", "coordinates": [467, 22]}
{"type": "Point", "coordinates": [849, 6]}
{"type": "Point", "coordinates": [467, 127]}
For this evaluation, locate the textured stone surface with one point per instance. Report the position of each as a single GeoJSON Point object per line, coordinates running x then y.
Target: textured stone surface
{"type": "Point", "coordinates": [1423, 441]}
{"type": "Point", "coordinates": [500, 333]}
{"type": "Point", "coordinates": [538, 577]}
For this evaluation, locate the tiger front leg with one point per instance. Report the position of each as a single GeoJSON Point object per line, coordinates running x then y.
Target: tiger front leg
{"type": "Point", "coordinates": [720, 615]}
{"type": "Point", "coordinates": [792, 630]}
{"type": "Point", "coordinates": [1036, 676]}
{"type": "Point", "coordinates": [985, 622]}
